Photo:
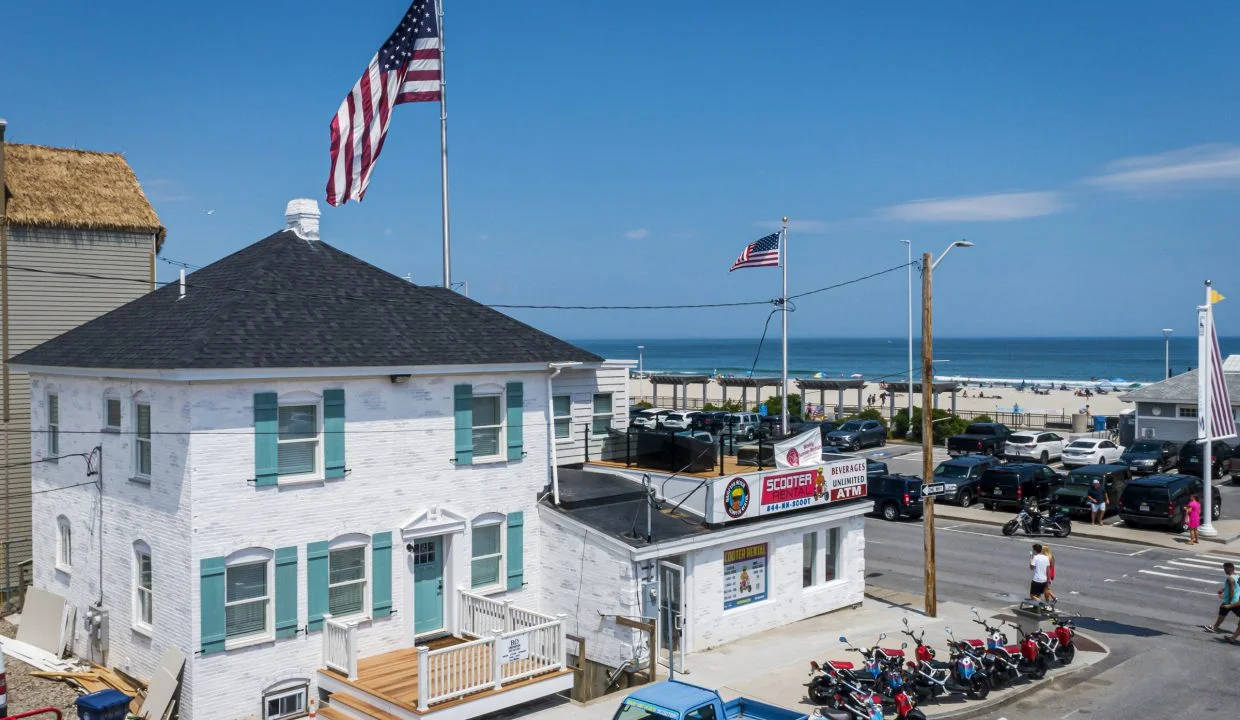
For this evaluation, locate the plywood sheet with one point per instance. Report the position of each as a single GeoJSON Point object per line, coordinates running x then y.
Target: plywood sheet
{"type": "Point", "coordinates": [43, 617]}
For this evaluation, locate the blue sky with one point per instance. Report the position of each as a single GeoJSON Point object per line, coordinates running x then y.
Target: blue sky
{"type": "Point", "coordinates": [624, 153]}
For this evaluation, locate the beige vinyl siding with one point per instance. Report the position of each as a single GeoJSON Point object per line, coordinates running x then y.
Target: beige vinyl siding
{"type": "Point", "coordinates": [40, 307]}
{"type": "Point", "coordinates": [581, 385]}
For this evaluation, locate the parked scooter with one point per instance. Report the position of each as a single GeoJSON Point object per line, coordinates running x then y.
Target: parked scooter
{"type": "Point", "coordinates": [985, 661]}
{"type": "Point", "coordinates": [1058, 643]}
{"type": "Point", "coordinates": [932, 678]}
{"type": "Point", "coordinates": [865, 704]}
{"type": "Point", "coordinates": [823, 678]}
{"type": "Point", "coordinates": [1011, 661]}
{"type": "Point", "coordinates": [1033, 523]}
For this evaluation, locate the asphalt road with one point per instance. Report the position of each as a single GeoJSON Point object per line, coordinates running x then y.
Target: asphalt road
{"type": "Point", "coordinates": [1146, 604]}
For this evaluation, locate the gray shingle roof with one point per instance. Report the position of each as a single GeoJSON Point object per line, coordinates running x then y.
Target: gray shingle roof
{"type": "Point", "coordinates": [1180, 389]}
{"type": "Point", "coordinates": [284, 302]}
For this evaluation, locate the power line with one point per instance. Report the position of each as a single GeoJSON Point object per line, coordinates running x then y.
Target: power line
{"type": "Point", "coordinates": [36, 462]}
{"type": "Point", "coordinates": [180, 264]}
{"type": "Point", "coordinates": [48, 490]}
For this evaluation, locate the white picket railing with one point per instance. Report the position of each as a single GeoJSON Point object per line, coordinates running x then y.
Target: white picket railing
{"type": "Point", "coordinates": [454, 671]}
{"type": "Point", "coordinates": [340, 647]}
{"type": "Point", "coordinates": [481, 616]}
{"type": "Point", "coordinates": [543, 651]}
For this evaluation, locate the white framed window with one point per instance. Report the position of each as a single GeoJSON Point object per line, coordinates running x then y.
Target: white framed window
{"type": "Point", "coordinates": [346, 577]}
{"type": "Point", "coordinates": [64, 544]}
{"type": "Point", "coordinates": [143, 586]}
{"type": "Point", "coordinates": [820, 552]}
{"type": "Point", "coordinates": [809, 559]}
{"type": "Point", "coordinates": [831, 562]}
{"type": "Point", "coordinates": [1186, 411]}
{"type": "Point", "coordinates": [562, 413]}
{"type": "Point", "coordinates": [298, 442]}
{"type": "Point", "coordinates": [486, 562]}
{"type": "Point", "coordinates": [53, 424]}
{"type": "Point", "coordinates": [601, 421]}
{"type": "Point", "coordinates": [247, 596]}
{"type": "Point", "coordinates": [142, 438]}
{"type": "Point", "coordinates": [111, 413]}
{"type": "Point", "coordinates": [488, 425]}
{"type": "Point", "coordinates": [287, 702]}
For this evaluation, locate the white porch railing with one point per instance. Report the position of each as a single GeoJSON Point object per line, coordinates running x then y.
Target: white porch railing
{"type": "Point", "coordinates": [340, 647]}
{"type": "Point", "coordinates": [481, 616]}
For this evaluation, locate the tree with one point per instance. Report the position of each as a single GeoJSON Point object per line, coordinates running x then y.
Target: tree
{"type": "Point", "coordinates": [983, 418]}
{"type": "Point", "coordinates": [642, 404]}
{"type": "Point", "coordinates": [868, 414]}
{"type": "Point", "coordinates": [773, 404]}
{"type": "Point", "coordinates": [944, 424]}
{"type": "Point", "coordinates": [729, 406]}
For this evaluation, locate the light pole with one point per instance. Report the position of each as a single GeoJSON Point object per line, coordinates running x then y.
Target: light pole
{"type": "Point", "coordinates": [641, 372]}
{"type": "Point", "coordinates": [1167, 351]}
{"type": "Point", "coordinates": [927, 422]}
{"type": "Point", "coordinates": [908, 246]}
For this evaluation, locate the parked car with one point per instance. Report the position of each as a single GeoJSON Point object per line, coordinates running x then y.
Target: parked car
{"type": "Point", "coordinates": [1222, 459]}
{"type": "Point", "coordinates": [1091, 451]}
{"type": "Point", "coordinates": [768, 425]}
{"type": "Point", "coordinates": [1012, 484]}
{"type": "Point", "coordinates": [700, 435]}
{"type": "Point", "coordinates": [856, 434]}
{"type": "Point", "coordinates": [650, 418]}
{"type": "Point", "coordinates": [825, 427]}
{"type": "Point", "coordinates": [980, 439]}
{"type": "Point", "coordinates": [875, 468]}
{"type": "Point", "coordinates": [895, 496]}
{"type": "Point", "coordinates": [743, 425]}
{"type": "Point", "coordinates": [1036, 446]}
{"type": "Point", "coordinates": [1163, 500]}
{"type": "Point", "coordinates": [679, 419]}
{"type": "Point", "coordinates": [1150, 456]}
{"type": "Point", "coordinates": [1072, 496]}
{"type": "Point", "coordinates": [961, 475]}
{"type": "Point", "coordinates": [712, 421]}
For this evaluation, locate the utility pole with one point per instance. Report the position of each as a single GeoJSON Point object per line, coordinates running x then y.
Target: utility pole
{"type": "Point", "coordinates": [927, 433]}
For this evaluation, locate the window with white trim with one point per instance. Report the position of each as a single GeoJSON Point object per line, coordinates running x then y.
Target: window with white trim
{"type": "Point", "coordinates": [1186, 411]}
{"type": "Point", "coordinates": [111, 413]}
{"type": "Point", "coordinates": [298, 441]}
{"type": "Point", "coordinates": [247, 598]}
{"type": "Point", "coordinates": [486, 560]}
{"type": "Point", "coordinates": [286, 702]}
{"type": "Point", "coordinates": [346, 579]}
{"type": "Point", "coordinates": [142, 439]}
{"type": "Point", "coordinates": [53, 424]}
{"type": "Point", "coordinates": [809, 559]}
{"type": "Point", "coordinates": [143, 585]}
{"type": "Point", "coordinates": [488, 425]}
{"type": "Point", "coordinates": [602, 414]}
{"type": "Point", "coordinates": [832, 563]}
{"type": "Point", "coordinates": [64, 544]}
{"type": "Point", "coordinates": [562, 413]}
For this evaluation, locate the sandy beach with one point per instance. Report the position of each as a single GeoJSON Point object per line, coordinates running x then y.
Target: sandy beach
{"type": "Point", "coordinates": [996, 400]}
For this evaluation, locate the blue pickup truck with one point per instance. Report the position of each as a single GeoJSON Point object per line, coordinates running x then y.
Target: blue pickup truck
{"type": "Point", "coordinates": [675, 700]}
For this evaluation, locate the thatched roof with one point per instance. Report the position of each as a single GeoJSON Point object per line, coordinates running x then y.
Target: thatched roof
{"type": "Point", "coordinates": [80, 189]}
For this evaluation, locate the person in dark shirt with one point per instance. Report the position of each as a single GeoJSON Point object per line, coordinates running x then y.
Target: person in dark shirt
{"type": "Point", "coordinates": [1097, 502]}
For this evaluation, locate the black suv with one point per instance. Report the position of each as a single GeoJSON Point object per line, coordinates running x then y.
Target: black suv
{"type": "Point", "coordinates": [1150, 456]}
{"type": "Point", "coordinates": [1010, 485]}
{"type": "Point", "coordinates": [1163, 500]}
{"type": "Point", "coordinates": [895, 496]}
{"type": "Point", "coordinates": [961, 475]}
{"type": "Point", "coordinates": [1073, 496]}
{"type": "Point", "coordinates": [1221, 459]}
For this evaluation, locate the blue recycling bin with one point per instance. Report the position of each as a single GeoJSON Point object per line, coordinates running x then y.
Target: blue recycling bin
{"type": "Point", "coordinates": [1100, 422]}
{"type": "Point", "coordinates": [103, 705]}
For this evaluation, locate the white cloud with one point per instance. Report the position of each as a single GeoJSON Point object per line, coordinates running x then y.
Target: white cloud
{"type": "Point", "coordinates": [808, 227]}
{"type": "Point", "coordinates": [638, 234]}
{"type": "Point", "coordinates": [977, 208]}
{"type": "Point", "coordinates": [1200, 163]}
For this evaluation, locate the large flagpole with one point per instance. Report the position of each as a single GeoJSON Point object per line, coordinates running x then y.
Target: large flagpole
{"type": "Point", "coordinates": [1205, 373]}
{"type": "Point", "coordinates": [783, 261]}
{"type": "Point", "coordinates": [443, 150]}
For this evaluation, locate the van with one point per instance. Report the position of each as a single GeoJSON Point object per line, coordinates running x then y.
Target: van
{"type": "Point", "coordinates": [1012, 484]}
{"type": "Point", "coordinates": [1162, 500]}
{"type": "Point", "coordinates": [1072, 496]}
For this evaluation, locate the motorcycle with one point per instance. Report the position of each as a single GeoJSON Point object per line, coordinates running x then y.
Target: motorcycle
{"type": "Point", "coordinates": [932, 678]}
{"type": "Point", "coordinates": [1033, 523]}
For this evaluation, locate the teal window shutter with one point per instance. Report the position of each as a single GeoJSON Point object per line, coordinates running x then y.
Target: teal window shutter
{"type": "Point", "coordinates": [463, 403]}
{"type": "Point", "coordinates": [286, 592]}
{"type": "Point", "coordinates": [381, 573]}
{"type": "Point", "coordinates": [333, 432]}
{"type": "Point", "coordinates": [516, 405]}
{"type": "Point", "coordinates": [266, 429]}
{"type": "Point", "coordinates": [316, 585]}
{"type": "Point", "coordinates": [516, 550]}
{"type": "Point", "coordinates": [211, 608]}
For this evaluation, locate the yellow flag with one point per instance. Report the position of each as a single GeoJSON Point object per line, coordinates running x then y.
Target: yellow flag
{"type": "Point", "coordinates": [1216, 296]}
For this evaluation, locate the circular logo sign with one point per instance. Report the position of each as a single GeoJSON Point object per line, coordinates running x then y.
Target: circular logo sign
{"type": "Point", "coordinates": [794, 457]}
{"type": "Point", "coordinates": [736, 498]}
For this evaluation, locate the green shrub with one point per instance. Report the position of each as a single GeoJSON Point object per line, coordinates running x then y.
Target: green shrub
{"type": "Point", "coordinates": [774, 406]}
{"type": "Point", "coordinates": [643, 404]}
{"type": "Point", "coordinates": [983, 418]}
{"type": "Point", "coordinates": [945, 424]}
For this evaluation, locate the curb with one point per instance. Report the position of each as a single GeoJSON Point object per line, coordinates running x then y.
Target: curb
{"type": "Point", "coordinates": [989, 705]}
{"type": "Point", "coordinates": [939, 513]}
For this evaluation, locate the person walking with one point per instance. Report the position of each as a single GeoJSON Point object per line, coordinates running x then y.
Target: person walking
{"type": "Point", "coordinates": [1194, 519]}
{"type": "Point", "coordinates": [1049, 594]}
{"type": "Point", "coordinates": [1097, 502]}
{"type": "Point", "coordinates": [1039, 564]}
{"type": "Point", "coordinates": [1229, 594]}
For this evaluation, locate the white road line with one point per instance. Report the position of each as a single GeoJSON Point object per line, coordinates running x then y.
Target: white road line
{"type": "Point", "coordinates": [1195, 592]}
{"type": "Point", "coordinates": [1185, 562]}
{"type": "Point", "coordinates": [1219, 558]}
{"type": "Point", "coordinates": [1057, 544]}
{"type": "Point", "coordinates": [1142, 552]}
{"type": "Point", "coordinates": [1177, 577]}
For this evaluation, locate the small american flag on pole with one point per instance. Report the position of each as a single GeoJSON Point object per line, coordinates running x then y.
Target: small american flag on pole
{"type": "Point", "coordinates": [406, 69]}
{"type": "Point", "coordinates": [759, 253]}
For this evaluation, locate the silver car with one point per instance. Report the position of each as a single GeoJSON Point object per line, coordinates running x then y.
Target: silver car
{"type": "Point", "coordinates": [743, 425]}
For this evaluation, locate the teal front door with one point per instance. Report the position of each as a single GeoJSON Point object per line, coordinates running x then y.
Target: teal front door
{"type": "Point", "coordinates": [427, 585]}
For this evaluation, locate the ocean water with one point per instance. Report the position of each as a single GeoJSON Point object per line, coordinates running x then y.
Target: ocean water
{"type": "Point", "coordinates": [1136, 359]}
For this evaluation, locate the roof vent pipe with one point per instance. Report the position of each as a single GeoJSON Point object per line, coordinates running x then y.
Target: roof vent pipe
{"type": "Point", "coordinates": [302, 215]}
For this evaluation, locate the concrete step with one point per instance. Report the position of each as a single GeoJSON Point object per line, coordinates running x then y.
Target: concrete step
{"type": "Point", "coordinates": [354, 707]}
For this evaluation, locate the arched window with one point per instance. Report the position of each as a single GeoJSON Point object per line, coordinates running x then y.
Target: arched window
{"type": "Point", "coordinates": [64, 544]}
{"type": "Point", "coordinates": [346, 576]}
{"type": "Point", "coordinates": [143, 586]}
{"type": "Point", "coordinates": [286, 699]}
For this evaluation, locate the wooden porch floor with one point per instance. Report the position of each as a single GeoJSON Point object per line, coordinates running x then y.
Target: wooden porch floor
{"type": "Point", "coordinates": [393, 676]}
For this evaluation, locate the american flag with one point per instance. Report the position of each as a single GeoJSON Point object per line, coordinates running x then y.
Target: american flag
{"type": "Point", "coordinates": [406, 69]}
{"type": "Point", "coordinates": [760, 253]}
{"type": "Point", "coordinates": [1222, 422]}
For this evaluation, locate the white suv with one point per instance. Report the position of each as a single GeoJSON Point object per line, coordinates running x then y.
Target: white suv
{"type": "Point", "coordinates": [1037, 446]}
{"type": "Point", "coordinates": [679, 419]}
{"type": "Point", "coordinates": [650, 418]}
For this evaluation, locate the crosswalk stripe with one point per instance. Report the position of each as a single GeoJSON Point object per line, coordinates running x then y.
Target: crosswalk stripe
{"type": "Point", "coordinates": [1195, 592]}
{"type": "Point", "coordinates": [1177, 577]}
{"type": "Point", "coordinates": [1212, 567]}
{"type": "Point", "coordinates": [1220, 558]}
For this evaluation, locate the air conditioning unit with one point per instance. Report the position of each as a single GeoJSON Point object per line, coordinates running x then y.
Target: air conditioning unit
{"type": "Point", "coordinates": [1147, 433]}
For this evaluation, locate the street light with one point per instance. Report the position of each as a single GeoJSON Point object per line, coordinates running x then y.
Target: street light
{"type": "Point", "coordinates": [1167, 351]}
{"type": "Point", "coordinates": [927, 422]}
{"type": "Point", "coordinates": [641, 374]}
{"type": "Point", "coordinates": [908, 246]}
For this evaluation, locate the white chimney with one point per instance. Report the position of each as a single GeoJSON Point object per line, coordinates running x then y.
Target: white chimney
{"type": "Point", "coordinates": [302, 215]}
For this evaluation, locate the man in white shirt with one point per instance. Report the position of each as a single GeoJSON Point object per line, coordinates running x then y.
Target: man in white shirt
{"type": "Point", "coordinates": [1039, 564]}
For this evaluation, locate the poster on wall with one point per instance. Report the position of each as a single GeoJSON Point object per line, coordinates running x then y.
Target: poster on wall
{"type": "Point", "coordinates": [744, 576]}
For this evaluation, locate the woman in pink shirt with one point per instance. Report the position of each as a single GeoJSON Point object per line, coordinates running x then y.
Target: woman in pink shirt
{"type": "Point", "coordinates": [1194, 519]}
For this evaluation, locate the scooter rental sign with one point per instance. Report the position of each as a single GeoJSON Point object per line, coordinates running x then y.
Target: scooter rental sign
{"type": "Point", "coordinates": [757, 494]}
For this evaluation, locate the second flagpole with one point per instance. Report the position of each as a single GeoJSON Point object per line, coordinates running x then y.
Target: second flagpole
{"type": "Point", "coordinates": [783, 261]}
{"type": "Point", "coordinates": [443, 150]}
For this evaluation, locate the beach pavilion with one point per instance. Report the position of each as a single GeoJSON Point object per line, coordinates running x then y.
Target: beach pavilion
{"type": "Point", "coordinates": [746, 382]}
{"type": "Point", "coordinates": [941, 386]}
{"type": "Point", "coordinates": [822, 385]}
{"type": "Point", "coordinates": [680, 388]}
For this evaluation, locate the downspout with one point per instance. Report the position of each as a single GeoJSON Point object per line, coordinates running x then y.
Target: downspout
{"type": "Point", "coordinates": [555, 368]}
{"type": "Point", "coordinates": [4, 324]}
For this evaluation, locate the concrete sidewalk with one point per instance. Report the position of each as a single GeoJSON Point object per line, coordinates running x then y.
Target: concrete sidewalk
{"type": "Point", "coordinates": [774, 666]}
{"type": "Point", "coordinates": [1228, 529]}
